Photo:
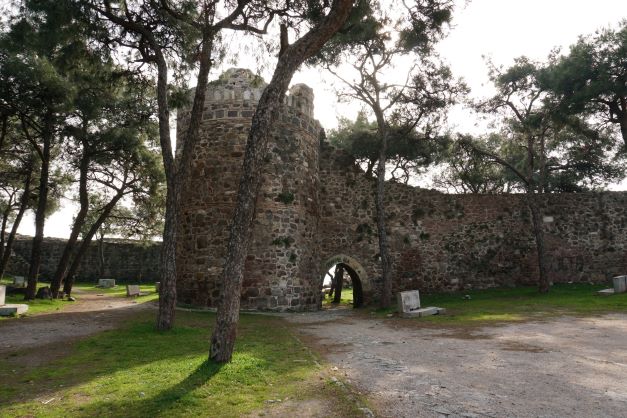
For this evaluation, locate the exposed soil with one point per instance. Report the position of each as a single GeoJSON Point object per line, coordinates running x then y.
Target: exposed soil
{"type": "Point", "coordinates": [560, 367]}
{"type": "Point", "coordinates": [90, 314]}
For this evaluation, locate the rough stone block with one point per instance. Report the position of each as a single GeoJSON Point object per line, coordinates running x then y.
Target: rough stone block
{"type": "Point", "coordinates": [408, 301]}
{"type": "Point", "coordinates": [3, 294]}
{"type": "Point", "coordinates": [106, 283]}
{"type": "Point", "coordinates": [419, 313]}
{"type": "Point", "coordinates": [620, 284]}
{"type": "Point", "coordinates": [19, 281]}
{"type": "Point", "coordinates": [13, 309]}
{"type": "Point", "coordinates": [132, 290]}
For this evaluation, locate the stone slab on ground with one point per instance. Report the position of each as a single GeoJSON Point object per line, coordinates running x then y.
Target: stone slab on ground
{"type": "Point", "coordinates": [418, 313]}
{"type": "Point", "coordinates": [132, 290]}
{"type": "Point", "coordinates": [408, 301]}
{"type": "Point", "coordinates": [106, 283]}
{"type": "Point", "coordinates": [606, 292]}
{"type": "Point", "coordinates": [620, 284]}
{"type": "Point", "coordinates": [13, 309]}
{"type": "Point", "coordinates": [3, 294]}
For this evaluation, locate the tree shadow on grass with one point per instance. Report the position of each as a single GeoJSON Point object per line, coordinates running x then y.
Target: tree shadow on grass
{"type": "Point", "coordinates": [161, 403]}
{"type": "Point", "coordinates": [107, 374]}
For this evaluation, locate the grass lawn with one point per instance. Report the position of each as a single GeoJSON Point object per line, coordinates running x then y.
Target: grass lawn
{"type": "Point", "coordinates": [346, 299]}
{"type": "Point", "coordinates": [519, 304]}
{"type": "Point", "coordinates": [39, 306]}
{"type": "Point", "coordinates": [138, 372]}
{"type": "Point", "coordinates": [147, 290]}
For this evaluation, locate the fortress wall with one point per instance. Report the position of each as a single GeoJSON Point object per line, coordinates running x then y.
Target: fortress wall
{"type": "Point", "coordinates": [125, 260]}
{"type": "Point", "coordinates": [445, 242]}
{"type": "Point", "coordinates": [281, 270]}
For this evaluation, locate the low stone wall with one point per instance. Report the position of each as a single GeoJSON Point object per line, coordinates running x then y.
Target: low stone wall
{"type": "Point", "coordinates": [124, 260]}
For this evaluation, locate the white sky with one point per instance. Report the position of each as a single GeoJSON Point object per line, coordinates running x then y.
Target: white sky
{"type": "Point", "coordinates": [499, 29]}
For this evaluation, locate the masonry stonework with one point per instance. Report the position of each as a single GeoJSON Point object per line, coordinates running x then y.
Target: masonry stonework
{"type": "Point", "coordinates": [316, 208]}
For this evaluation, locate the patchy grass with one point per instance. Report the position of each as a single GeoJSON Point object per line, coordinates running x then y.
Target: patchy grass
{"type": "Point", "coordinates": [346, 299]}
{"type": "Point", "coordinates": [36, 306]}
{"type": "Point", "coordinates": [147, 290]}
{"type": "Point", "coordinates": [39, 306]}
{"type": "Point", "coordinates": [138, 372]}
{"type": "Point", "coordinates": [519, 304]}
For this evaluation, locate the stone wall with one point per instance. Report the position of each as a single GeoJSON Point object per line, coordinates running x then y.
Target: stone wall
{"type": "Point", "coordinates": [442, 242]}
{"type": "Point", "coordinates": [316, 208]}
{"type": "Point", "coordinates": [282, 268]}
{"type": "Point", "coordinates": [125, 260]}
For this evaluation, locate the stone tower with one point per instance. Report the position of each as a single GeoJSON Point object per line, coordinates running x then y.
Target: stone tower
{"type": "Point", "coordinates": [281, 270]}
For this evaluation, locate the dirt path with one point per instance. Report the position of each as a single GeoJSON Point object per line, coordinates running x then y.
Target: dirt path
{"type": "Point", "coordinates": [90, 314]}
{"type": "Point", "coordinates": [563, 367]}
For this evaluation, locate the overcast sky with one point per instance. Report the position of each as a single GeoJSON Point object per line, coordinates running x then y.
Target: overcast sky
{"type": "Point", "coordinates": [499, 29]}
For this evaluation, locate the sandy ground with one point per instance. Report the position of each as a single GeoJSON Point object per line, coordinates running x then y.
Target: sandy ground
{"type": "Point", "coordinates": [90, 314]}
{"type": "Point", "coordinates": [565, 367]}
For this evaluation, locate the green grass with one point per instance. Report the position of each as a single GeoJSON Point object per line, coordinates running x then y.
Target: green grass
{"type": "Point", "coordinates": [119, 291]}
{"type": "Point", "coordinates": [519, 304]}
{"type": "Point", "coordinates": [345, 299]}
{"type": "Point", "coordinates": [138, 372]}
{"type": "Point", "coordinates": [39, 306]}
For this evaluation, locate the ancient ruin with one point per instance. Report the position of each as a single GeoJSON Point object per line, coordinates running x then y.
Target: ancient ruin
{"type": "Point", "coordinates": [316, 209]}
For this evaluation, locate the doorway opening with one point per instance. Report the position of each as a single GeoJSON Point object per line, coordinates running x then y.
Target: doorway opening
{"type": "Point", "coordinates": [342, 287]}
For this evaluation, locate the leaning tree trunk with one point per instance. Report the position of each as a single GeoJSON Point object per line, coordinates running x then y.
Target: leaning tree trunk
{"type": "Point", "coordinates": [40, 217]}
{"type": "Point", "coordinates": [82, 249]}
{"type": "Point", "coordinates": [224, 334]}
{"type": "Point", "coordinates": [16, 223]}
{"type": "Point", "coordinates": [338, 278]}
{"type": "Point", "coordinates": [79, 221]}
{"type": "Point", "coordinates": [538, 234]}
{"type": "Point", "coordinates": [177, 174]}
{"type": "Point", "coordinates": [386, 295]}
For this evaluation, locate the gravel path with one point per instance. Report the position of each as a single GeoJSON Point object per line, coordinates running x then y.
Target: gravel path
{"type": "Point", "coordinates": [575, 367]}
{"type": "Point", "coordinates": [90, 314]}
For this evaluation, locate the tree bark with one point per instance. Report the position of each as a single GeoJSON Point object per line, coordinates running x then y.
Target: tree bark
{"type": "Point", "coordinates": [69, 280]}
{"type": "Point", "coordinates": [386, 295]}
{"type": "Point", "coordinates": [16, 223]}
{"type": "Point", "coordinates": [338, 278]}
{"type": "Point", "coordinates": [40, 213]}
{"type": "Point", "coordinates": [176, 176]}
{"type": "Point", "coordinates": [79, 221]}
{"type": "Point", "coordinates": [5, 220]}
{"type": "Point", "coordinates": [538, 233]}
{"type": "Point", "coordinates": [623, 127]}
{"type": "Point", "coordinates": [224, 334]}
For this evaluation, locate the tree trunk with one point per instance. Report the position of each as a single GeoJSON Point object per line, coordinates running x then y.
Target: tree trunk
{"type": "Point", "coordinates": [176, 176]}
{"type": "Point", "coordinates": [386, 295]}
{"type": "Point", "coordinates": [5, 220]}
{"type": "Point", "coordinates": [266, 114]}
{"type": "Point", "coordinates": [16, 223]}
{"type": "Point", "coordinates": [69, 278]}
{"type": "Point", "coordinates": [536, 221]}
{"type": "Point", "coordinates": [623, 128]}
{"type": "Point", "coordinates": [338, 278]}
{"type": "Point", "coordinates": [101, 257]}
{"type": "Point", "coordinates": [538, 233]}
{"type": "Point", "coordinates": [79, 221]}
{"type": "Point", "coordinates": [40, 214]}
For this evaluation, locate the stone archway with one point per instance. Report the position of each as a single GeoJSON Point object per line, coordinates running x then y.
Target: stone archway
{"type": "Point", "coordinates": [357, 273]}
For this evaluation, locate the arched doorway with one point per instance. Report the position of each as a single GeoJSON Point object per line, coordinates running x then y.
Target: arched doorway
{"type": "Point", "coordinates": [356, 272]}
